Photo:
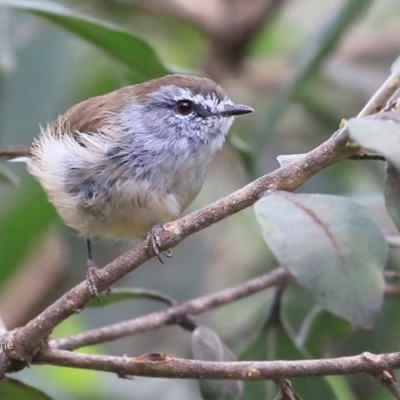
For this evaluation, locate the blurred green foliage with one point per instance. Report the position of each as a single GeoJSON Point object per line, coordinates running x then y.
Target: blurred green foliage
{"type": "Point", "coordinates": [310, 65]}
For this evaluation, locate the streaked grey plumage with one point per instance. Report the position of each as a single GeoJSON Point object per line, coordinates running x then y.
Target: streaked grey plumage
{"type": "Point", "coordinates": [117, 164]}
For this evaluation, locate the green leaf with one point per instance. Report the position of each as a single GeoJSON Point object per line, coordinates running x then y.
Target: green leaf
{"type": "Point", "coordinates": [30, 216]}
{"type": "Point", "coordinates": [256, 350]}
{"type": "Point", "coordinates": [319, 329]}
{"type": "Point", "coordinates": [332, 246]}
{"type": "Point", "coordinates": [11, 389]}
{"type": "Point", "coordinates": [123, 294]}
{"type": "Point", "coordinates": [276, 344]}
{"type": "Point", "coordinates": [122, 45]}
{"type": "Point", "coordinates": [207, 346]}
{"type": "Point", "coordinates": [379, 133]}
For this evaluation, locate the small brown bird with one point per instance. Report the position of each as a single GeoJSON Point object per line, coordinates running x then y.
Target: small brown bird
{"type": "Point", "coordinates": [119, 164]}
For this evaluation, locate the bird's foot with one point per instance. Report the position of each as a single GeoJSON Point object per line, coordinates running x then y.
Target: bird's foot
{"type": "Point", "coordinates": [153, 242]}
{"type": "Point", "coordinates": [92, 277]}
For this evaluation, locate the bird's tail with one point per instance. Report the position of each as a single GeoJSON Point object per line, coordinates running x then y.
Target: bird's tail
{"type": "Point", "coordinates": [15, 153]}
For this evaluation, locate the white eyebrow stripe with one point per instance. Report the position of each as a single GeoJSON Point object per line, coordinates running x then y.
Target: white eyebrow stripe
{"type": "Point", "coordinates": [210, 101]}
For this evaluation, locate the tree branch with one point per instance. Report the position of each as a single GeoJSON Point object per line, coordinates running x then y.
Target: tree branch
{"type": "Point", "coordinates": [287, 178]}
{"type": "Point", "coordinates": [30, 339]}
{"type": "Point", "coordinates": [193, 307]}
{"type": "Point", "coordinates": [166, 366]}
{"type": "Point", "coordinates": [169, 316]}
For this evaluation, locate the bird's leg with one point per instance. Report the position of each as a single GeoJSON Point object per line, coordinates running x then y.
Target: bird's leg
{"type": "Point", "coordinates": [153, 240]}
{"type": "Point", "coordinates": [91, 272]}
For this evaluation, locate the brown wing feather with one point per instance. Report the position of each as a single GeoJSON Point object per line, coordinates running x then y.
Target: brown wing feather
{"type": "Point", "coordinates": [91, 115]}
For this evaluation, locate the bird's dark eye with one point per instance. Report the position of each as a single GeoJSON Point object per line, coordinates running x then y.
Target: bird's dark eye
{"type": "Point", "coordinates": [184, 107]}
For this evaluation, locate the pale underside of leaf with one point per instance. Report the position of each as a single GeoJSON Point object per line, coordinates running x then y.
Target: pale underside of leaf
{"type": "Point", "coordinates": [332, 246]}
{"type": "Point", "coordinates": [381, 134]}
{"type": "Point", "coordinates": [208, 346]}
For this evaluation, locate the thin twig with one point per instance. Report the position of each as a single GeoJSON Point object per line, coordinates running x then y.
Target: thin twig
{"type": "Point", "coordinates": [157, 319]}
{"type": "Point", "coordinates": [287, 391]}
{"type": "Point", "coordinates": [193, 307]}
{"type": "Point", "coordinates": [392, 291]}
{"type": "Point", "coordinates": [15, 151]}
{"type": "Point", "coordinates": [390, 274]}
{"type": "Point", "coordinates": [378, 101]}
{"type": "Point", "coordinates": [387, 379]}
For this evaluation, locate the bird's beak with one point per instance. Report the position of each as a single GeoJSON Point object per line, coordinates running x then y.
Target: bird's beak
{"type": "Point", "coordinates": [236, 109]}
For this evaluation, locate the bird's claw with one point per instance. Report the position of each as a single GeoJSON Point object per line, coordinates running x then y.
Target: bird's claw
{"type": "Point", "coordinates": [153, 240]}
{"type": "Point", "coordinates": [92, 277]}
